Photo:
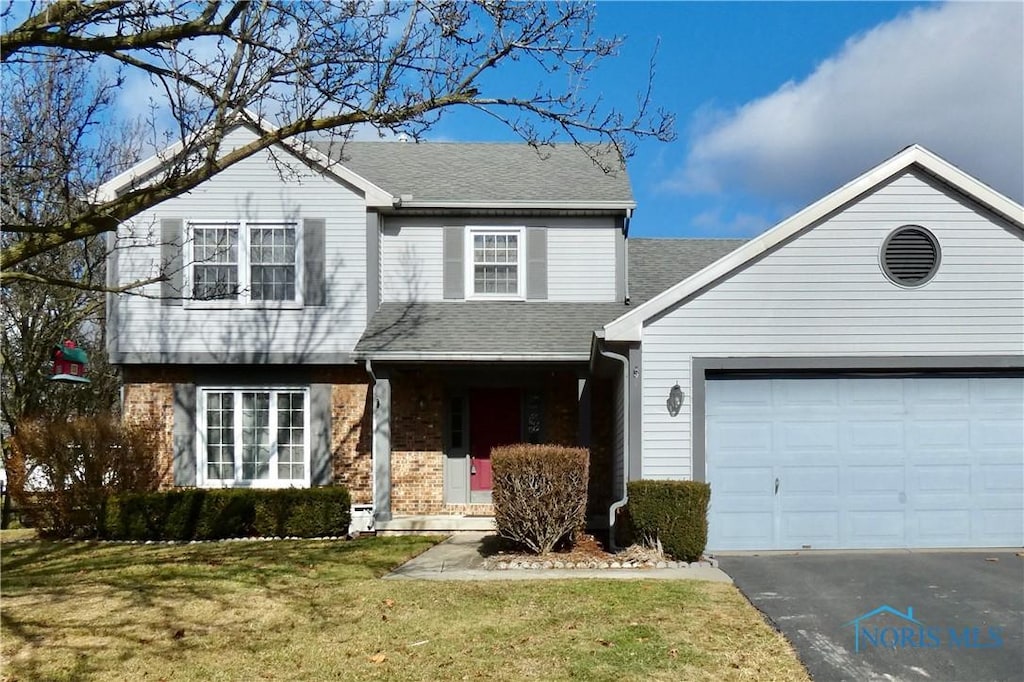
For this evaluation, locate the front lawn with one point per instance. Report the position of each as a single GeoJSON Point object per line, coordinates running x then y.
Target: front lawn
{"type": "Point", "coordinates": [307, 610]}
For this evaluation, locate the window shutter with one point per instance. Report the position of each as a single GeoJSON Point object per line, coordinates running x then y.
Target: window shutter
{"type": "Point", "coordinates": [184, 435]}
{"type": "Point", "coordinates": [320, 469]}
{"type": "Point", "coordinates": [314, 285]}
{"type": "Point", "coordinates": [536, 263]}
{"type": "Point", "coordinates": [171, 261]}
{"type": "Point", "coordinates": [454, 272]}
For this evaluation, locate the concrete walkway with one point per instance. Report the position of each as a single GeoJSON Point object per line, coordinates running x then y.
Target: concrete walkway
{"type": "Point", "coordinates": [459, 558]}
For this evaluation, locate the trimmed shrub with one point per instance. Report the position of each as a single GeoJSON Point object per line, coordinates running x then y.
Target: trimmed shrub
{"type": "Point", "coordinates": [674, 512]}
{"type": "Point", "coordinates": [62, 471]}
{"type": "Point", "coordinates": [199, 514]}
{"type": "Point", "coordinates": [539, 494]}
{"type": "Point", "coordinates": [309, 513]}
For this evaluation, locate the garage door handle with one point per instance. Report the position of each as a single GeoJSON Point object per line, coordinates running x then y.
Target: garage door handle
{"type": "Point", "coordinates": [776, 486]}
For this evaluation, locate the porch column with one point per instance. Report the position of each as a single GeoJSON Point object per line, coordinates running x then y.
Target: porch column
{"type": "Point", "coordinates": [382, 449]}
{"type": "Point", "coordinates": [583, 412]}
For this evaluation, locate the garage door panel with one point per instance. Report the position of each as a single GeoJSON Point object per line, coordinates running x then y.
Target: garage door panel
{"type": "Point", "coordinates": [999, 434]}
{"type": "Point", "coordinates": [999, 527]}
{"type": "Point", "coordinates": [875, 480]}
{"type": "Point", "coordinates": [803, 439]}
{"type": "Point", "coordinates": [1006, 478]}
{"type": "Point", "coordinates": [941, 480]}
{"type": "Point", "coordinates": [875, 437]}
{"type": "Point", "coordinates": [932, 435]}
{"type": "Point", "coordinates": [744, 530]}
{"type": "Point", "coordinates": [874, 528]}
{"type": "Point", "coordinates": [878, 393]}
{"type": "Point", "coordinates": [866, 462]}
{"type": "Point", "coordinates": [823, 395]}
{"type": "Point", "coordinates": [810, 529]}
{"type": "Point", "coordinates": [740, 440]}
{"type": "Point", "coordinates": [940, 527]}
{"type": "Point", "coordinates": [998, 391]}
{"type": "Point", "coordinates": [934, 393]}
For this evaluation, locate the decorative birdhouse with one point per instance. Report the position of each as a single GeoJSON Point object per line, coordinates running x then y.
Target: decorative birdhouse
{"type": "Point", "coordinates": [69, 363]}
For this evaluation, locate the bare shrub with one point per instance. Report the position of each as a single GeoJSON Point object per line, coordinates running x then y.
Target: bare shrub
{"type": "Point", "coordinates": [62, 471]}
{"type": "Point", "coordinates": [540, 494]}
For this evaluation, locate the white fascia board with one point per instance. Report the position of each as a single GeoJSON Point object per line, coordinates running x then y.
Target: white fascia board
{"type": "Point", "coordinates": [526, 204]}
{"type": "Point", "coordinates": [971, 186]}
{"type": "Point", "coordinates": [400, 356]}
{"type": "Point", "coordinates": [629, 327]}
{"type": "Point", "coordinates": [374, 195]}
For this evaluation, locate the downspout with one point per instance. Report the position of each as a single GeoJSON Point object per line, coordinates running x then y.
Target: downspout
{"type": "Point", "coordinates": [621, 502]}
{"type": "Point", "coordinates": [625, 245]}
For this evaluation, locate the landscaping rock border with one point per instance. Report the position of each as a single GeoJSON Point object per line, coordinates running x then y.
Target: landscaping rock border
{"type": "Point", "coordinates": [595, 564]}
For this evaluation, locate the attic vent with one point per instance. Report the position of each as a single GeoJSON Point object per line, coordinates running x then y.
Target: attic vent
{"type": "Point", "coordinates": [910, 256]}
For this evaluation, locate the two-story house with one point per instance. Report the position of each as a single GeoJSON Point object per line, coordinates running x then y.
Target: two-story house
{"type": "Point", "coordinates": [380, 315]}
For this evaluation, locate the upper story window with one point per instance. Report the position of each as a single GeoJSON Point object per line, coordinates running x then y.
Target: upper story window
{"type": "Point", "coordinates": [494, 263]}
{"type": "Point", "coordinates": [245, 261]}
{"type": "Point", "coordinates": [254, 437]}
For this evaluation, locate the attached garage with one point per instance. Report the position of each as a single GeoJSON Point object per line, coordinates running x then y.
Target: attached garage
{"type": "Point", "coordinates": [865, 461]}
{"type": "Point", "coordinates": [851, 378]}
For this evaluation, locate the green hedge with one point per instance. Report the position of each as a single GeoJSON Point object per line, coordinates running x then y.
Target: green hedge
{"type": "Point", "coordinates": [197, 514]}
{"type": "Point", "coordinates": [674, 512]}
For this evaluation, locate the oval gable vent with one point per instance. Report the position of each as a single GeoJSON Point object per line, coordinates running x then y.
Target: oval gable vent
{"type": "Point", "coordinates": [910, 256]}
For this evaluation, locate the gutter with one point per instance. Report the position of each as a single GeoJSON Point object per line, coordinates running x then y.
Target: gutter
{"type": "Point", "coordinates": [621, 502]}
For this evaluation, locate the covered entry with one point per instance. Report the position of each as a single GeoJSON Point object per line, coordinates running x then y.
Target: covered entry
{"type": "Point", "coordinates": [879, 461]}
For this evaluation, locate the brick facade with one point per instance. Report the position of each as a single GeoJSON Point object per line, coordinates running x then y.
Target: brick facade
{"type": "Point", "coordinates": [417, 442]}
{"type": "Point", "coordinates": [417, 430]}
{"type": "Point", "coordinates": [152, 405]}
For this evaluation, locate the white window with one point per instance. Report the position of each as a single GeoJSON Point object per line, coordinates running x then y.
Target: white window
{"type": "Point", "coordinates": [253, 437]}
{"type": "Point", "coordinates": [245, 262]}
{"type": "Point", "coordinates": [494, 263]}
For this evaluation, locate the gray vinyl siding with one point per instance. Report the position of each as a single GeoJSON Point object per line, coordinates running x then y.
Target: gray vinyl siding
{"type": "Point", "coordinates": [412, 263]}
{"type": "Point", "coordinates": [250, 190]}
{"type": "Point", "coordinates": [581, 264]}
{"type": "Point", "coordinates": [581, 256]}
{"type": "Point", "coordinates": [824, 294]}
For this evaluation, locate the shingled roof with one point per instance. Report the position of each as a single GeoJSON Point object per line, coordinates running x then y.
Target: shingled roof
{"type": "Point", "coordinates": [530, 329]}
{"type": "Point", "coordinates": [435, 173]}
{"type": "Point", "coordinates": [657, 264]}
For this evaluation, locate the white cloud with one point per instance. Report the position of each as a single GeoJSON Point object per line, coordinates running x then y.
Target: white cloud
{"type": "Point", "coordinates": [949, 77]}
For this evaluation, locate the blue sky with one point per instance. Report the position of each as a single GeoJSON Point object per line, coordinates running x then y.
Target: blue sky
{"type": "Point", "coordinates": [777, 104]}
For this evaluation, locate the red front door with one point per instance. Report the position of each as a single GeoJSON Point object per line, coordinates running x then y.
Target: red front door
{"type": "Point", "coordinates": [493, 420]}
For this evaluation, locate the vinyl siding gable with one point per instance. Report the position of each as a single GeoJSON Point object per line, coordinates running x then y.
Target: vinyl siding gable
{"type": "Point", "coordinates": [260, 188]}
{"type": "Point", "coordinates": [824, 294]}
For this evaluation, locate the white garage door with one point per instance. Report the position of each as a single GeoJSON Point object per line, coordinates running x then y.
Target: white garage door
{"type": "Point", "coordinates": [847, 462]}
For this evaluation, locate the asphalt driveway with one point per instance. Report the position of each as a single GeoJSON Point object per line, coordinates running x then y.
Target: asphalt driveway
{"type": "Point", "coordinates": [927, 615]}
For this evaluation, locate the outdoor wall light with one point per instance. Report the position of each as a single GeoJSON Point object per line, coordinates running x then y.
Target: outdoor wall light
{"type": "Point", "coordinates": [675, 400]}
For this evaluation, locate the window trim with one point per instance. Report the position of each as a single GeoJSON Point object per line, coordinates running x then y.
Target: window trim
{"type": "Point", "coordinates": [201, 430]}
{"type": "Point", "coordinates": [244, 266]}
{"type": "Point", "coordinates": [470, 265]}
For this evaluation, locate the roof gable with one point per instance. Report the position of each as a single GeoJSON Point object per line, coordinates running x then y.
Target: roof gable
{"type": "Point", "coordinates": [145, 171]}
{"type": "Point", "coordinates": [628, 327]}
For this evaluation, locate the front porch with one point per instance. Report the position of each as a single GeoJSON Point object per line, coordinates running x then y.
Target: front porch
{"type": "Point", "coordinates": [434, 427]}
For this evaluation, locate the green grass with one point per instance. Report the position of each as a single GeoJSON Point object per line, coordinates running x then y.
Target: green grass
{"type": "Point", "coordinates": [316, 610]}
